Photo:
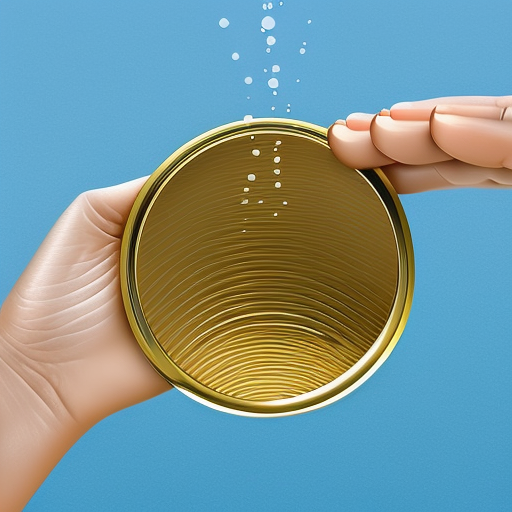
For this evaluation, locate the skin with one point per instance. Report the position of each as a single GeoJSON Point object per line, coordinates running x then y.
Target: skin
{"type": "Point", "coordinates": [461, 141]}
{"type": "Point", "coordinates": [67, 355]}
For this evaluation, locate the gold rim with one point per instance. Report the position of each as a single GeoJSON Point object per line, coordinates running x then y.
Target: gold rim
{"type": "Point", "coordinates": [324, 395]}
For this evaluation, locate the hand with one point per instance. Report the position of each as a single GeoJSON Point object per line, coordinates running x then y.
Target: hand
{"type": "Point", "coordinates": [68, 357]}
{"type": "Point", "coordinates": [462, 141]}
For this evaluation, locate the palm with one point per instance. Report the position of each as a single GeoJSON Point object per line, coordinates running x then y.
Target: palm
{"type": "Point", "coordinates": [68, 318]}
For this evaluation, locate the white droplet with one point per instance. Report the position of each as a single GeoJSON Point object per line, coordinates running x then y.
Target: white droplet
{"type": "Point", "coordinates": [309, 22]}
{"type": "Point", "coordinates": [251, 177]}
{"type": "Point", "coordinates": [277, 159]}
{"type": "Point", "coordinates": [244, 230]}
{"type": "Point", "coordinates": [246, 189]}
{"type": "Point", "coordinates": [260, 201]}
{"type": "Point", "coordinates": [248, 118]}
{"type": "Point", "coordinates": [264, 7]}
{"type": "Point", "coordinates": [302, 51]}
{"type": "Point", "coordinates": [275, 149]}
{"type": "Point", "coordinates": [277, 184]}
{"type": "Point", "coordinates": [273, 83]}
{"type": "Point", "coordinates": [235, 56]}
{"type": "Point", "coordinates": [298, 80]}
{"type": "Point", "coordinates": [288, 109]}
{"type": "Point", "coordinates": [262, 29]}
{"type": "Point", "coordinates": [248, 97]}
{"type": "Point", "coordinates": [274, 93]}
{"type": "Point", "coordinates": [278, 142]}
{"type": "Point", "coordinates": [256, 152]}
{"type": "Point", "coordinates": [281, 3]}
{"type": "Point", "coordinates": [275, 68]}
{"type": "Point", "coordinates": [252, 137]}
{"type": "Point", "coordinates": [277, 172]}
{"type": "Point", "coordinates": [275, 214]}
{"type": "Point", "coordinates": [223, 23]}
{"type": "Point", "coordinates": [245, 201]}
{"type": "Point", "coordinates": [272, 108]}
{"type": "Point", "coordinates": [285, 202]}
{"type": "Point", "coordinates": [271, 40]}
{"type": "Point", "coordinates": [265, 70]}
{"type": "Point", "coordinates": [268, 50]}
{"type": "Point", "coordinates": [304, 43]}
{"type": "Point", "coordinates": [269, 5]}
{"type": "Point", "coordinates": [268, 23]}
{"type": "Point", "coordinates": [248, 80]}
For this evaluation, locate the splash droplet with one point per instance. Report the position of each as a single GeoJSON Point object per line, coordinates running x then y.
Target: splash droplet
{"type": "Point", "coordinates": [251, 177]}
{"type": "Point", "coordinates": [278, 142]}
{"type": "Point", "coordinates": [275, 68]}
{"type": "Point", "coordinates": [309, 22]}
{"type": "Point", "coordinates": [268, 23]}
{"type": "Point", "coordinates": [273, 83]}
{"type": "Point", "coordinates": [304, 43]}
{"type": "Point", "coordinates": [256, 152]}
{"type": "Point", "coordinates": [252, 137]}
{"type": "Point", "coordinates": [260, 201]}
{"type": "Point", "coordinates": [271, 40]}
{"type": "Point", "coordinates": [277, 184]}
{"type": "Point", "coordinates": [248, 80]}
{"type": "Point", "coordinates": [265, 70]}
{"type": "Point", "coordinates": [298, 80]}
{"type": "Point", "coordinates": [277, 159]}
{"type": "Point", "coordinates": [274, 93]}
{"type": "Point", "coordinates": [302, 51]}
{"type": "Point", "coordinates": [245, 201]}
{"type": "Point", "coordinates": [277, 172]}
{"type": "Point", "coordinates": [264, 7]}
{"type": "Point", "coordinates": [275, 214]}
{"type": "Point", "coordinates": [272, 108]}
{"type": "Point", "coordinates": [269, 5]}
{"type": "Point", "coordinates": [248, 118]}
{"type": "Point", "coordinates": [285, 202]}
{"type": "Point", "coordinates": [235, 56]}
{"type": "Point", "coordinates": [246, 189]}
{"type": "Point", "coordinates": [223, 23]}
{"type": "Point", "coordinates": [268, 50]}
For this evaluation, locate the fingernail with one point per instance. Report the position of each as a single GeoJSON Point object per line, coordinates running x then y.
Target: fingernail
{"type": "Point", "coordinates": [359, 121]}
{"type": "Point", "coordinates": [407, 111]}
{"type": "Point", "coordinates": [384, 112]}
{"type": "Point", "coordinates": [478, 111]}
{"type": "Point", "coordinates": [341, 121]}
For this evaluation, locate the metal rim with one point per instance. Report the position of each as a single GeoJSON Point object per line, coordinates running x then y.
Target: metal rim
{"type": "Point", "coordinates": [324, 395]}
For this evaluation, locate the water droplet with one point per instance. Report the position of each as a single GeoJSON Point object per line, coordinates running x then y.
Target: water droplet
{"type": "Point", "coordinates": [223, 23]}
{"type": "Point", "coordinates": [277, 159]}
{"type": "Point", "coordinates": [309, 22]}
{"type": "Point", "coordinates": [304, 43]}
{"type": "Point", "coordinates": [235, 56]}
{"type": "Point", "coordinates": [265, 70]}
{"type": "Point", "coordinates": [244, 230]}
{"type": "Point", "coordinates": [251, 177]}
{"type": "Point", "coordinates": [277, 172]}
{"type": "Point", "coordinates": [248, 118]}
{"type": "Point", "coordinates": [268, 23]}
{"type": "Point", "coordinates": [245, 201]}
{"type": "Point", "coordinates": [268, 50]}
{"type": "Point", "coordinates": [277, 184]}
{"type": "Point", "coordinates": [275, 214]}
{"type": "Point", "coordinates": [273, 83]}
{"type": "Point", "coordinates": [260, 201]}
{"type": "Point", "coordinates": [272, 108]}
{"type": "Point", "coordinates": [281, 3]}
{"type": "Point", "coordinates": [302, 51]}
{"type": "Point", "coordinates": [246, 189]}
{"type": "Point", "coordinates": [248, 80]}
{"type": "Point", "coordinates": [275, 149]}
{"type": "Point", "coordinates": [275, 68]}
{"type": "Point", "coordinates": [271, 40]}
{"type": "Point", "coordinates": [248, 97]}
{"type": "Point", "coordinates": [269, 5]}
{"type": "Point", "coordinates": [262, 29]}
{"type": "Point", "coordinates": [278, 142]}
{"type": "Point", "coordinates": [298, 80]}
{"type": "Point", "coordinates": [256, 152]}
{"type": "Point", "coordinates": [288, 109]}
{"type": "Point", "coordinates": [252, 137]}
{"type": "Point", "coordinates": [274, 93]}
{"type": "Point", "coordinates": [264, 7]}
{"type": "Point", "coordinates": [285, 202]}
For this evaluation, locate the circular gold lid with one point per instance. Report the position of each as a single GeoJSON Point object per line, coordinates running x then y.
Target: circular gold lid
{"type": "Point", "coordinates": [260, 275]}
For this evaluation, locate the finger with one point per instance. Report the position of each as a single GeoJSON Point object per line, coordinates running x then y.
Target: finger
{"type": "Point", "coordinates": [355, 148]}
{"type": "Point", "coordinates": [421, 110]}
{"type": "Point", "coordinates": [408, 142]}
{"type": "Point", "coordinates": [408, 179]}
{"type": "Point", "coordinates": [485, 141]}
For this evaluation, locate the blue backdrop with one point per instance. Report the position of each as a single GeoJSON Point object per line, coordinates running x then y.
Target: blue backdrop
{"type": "Point", "coordinates": [96, 93]}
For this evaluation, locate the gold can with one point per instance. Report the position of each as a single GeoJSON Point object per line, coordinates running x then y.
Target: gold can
{"type": "Point", "coordinates": [260, 275]}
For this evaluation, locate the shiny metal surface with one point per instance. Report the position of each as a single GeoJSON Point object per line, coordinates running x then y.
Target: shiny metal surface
{"type": "Point", "coordinates": [262, 276]}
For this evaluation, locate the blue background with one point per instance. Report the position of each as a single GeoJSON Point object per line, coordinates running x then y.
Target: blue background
{"type": "Point", "coordinates": [96, 93]}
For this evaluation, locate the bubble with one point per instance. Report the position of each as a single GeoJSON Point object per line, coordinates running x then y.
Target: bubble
{"type": "Point", "coordinates": [256, 152]}
{"type": "Point", "coordinates": [223, 23]}
{"type": "Point", "coordinates": [245, 201]}
{"type": "Point", "coordinates": [277, 184]}
{"type": "Point", "coordinates": [268, 23]}
{"type": "Point", "coordinates": [248, 118]}
{"type": "Point", "coordinates": [285, 202]}
{"type": "Point", "coordinates": [271, 40]}
{"type": "Point", "coordinates": [246, 189]}
{"type": "Point", "coordinates": [251, 177]}
{"type": "Point", "coordinates": [235, 56]}
{"type": "Point", "coordinates": [273, 83]}
{"type": "Point", "coordinates": [277, 172]}
{"type": "Point", "coordinates": [248, 80]}
{"type": "Point", "coordinates": [274, 93]}
{"type": "Point", "coordinates": [277, 159]}
{"type": "Point", "coordinates": [302, 51]}
{"type": "Point", "coordinates": [275, 68]}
